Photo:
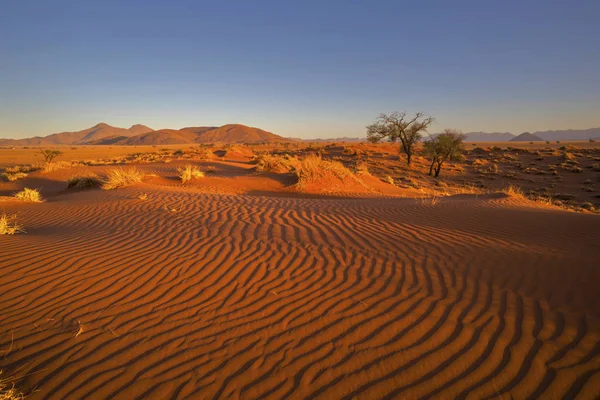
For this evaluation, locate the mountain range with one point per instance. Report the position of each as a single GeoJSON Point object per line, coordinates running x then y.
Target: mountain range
{"type": "Point", "coordinates": [142, 135]}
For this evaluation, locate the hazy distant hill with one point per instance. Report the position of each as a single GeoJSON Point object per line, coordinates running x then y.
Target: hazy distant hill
{"type": "Point", "coordinates": [87, 136]}
{"type": "Point", "coordinates": [527, 137]}
{"type": "Point", "coordinates": [489, 137]}
{"type": "Point", "coordinates": [142, 135]}
{"type": "Point", "coordinates": [570, 134]}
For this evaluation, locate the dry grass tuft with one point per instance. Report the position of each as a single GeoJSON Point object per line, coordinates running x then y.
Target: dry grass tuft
{"type": "Point", "coordinates": [84, 181]}
{"type": "Point", "coordinates": [211, 169]}
{"type": "Point", "coordinates": [55, 166]}
{"type": "Point", "coordinates": [29, 195]}
{"type": "Point", "coordinates": [313, 168]}
{"type": "Point", "coordinates": [430, 201]}
{"type": "Point", "coordinates": [120, 177]}
{"type": "Point", "coordinates": [8, 391]}
{"type": "Point", "coordinates": [389, 180]}
{"type": "Point", "coordinates": [143, 196]}
{"type": "Point", "coordinates": [513, 191]}
{"type": "Point", "coordinates": [189, 172]}
{"type": "Point", "coordinates": [272, 163]}
{"type": "Point", "coordinates": [13, 176]}
{"type": "Point", "coordinates": [6, 228]}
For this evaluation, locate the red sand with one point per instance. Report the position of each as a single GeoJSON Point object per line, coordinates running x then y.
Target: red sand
{"type": "Point", "coordinates": [198, 294]}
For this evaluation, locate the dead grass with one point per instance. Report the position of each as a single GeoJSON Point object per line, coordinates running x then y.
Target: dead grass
{"type": "Point", "coordinates": [8, 390]}
{"type": "Point", "coordinates": [514, 191]}
{"type": "Point", "coordinates": [120, 178]}
{"type": "Point", "coordinates": [273, 163]}
{"type": "Point", "coordinates": [55, 166]}
{"type": "Point", "coordinates": [29, 195]}
{"type": "Point", "coordinates": [189, 172]}
{"type": "Point", "coordinates": [313, 168]}
{"type": "Point", "coordinates": [84, 181]}
{"type": "Point", "coordinates": [13, 176]}
{"type": "Point", "coordinates": [6, 228]}
{"type": "Point", "coordinates": [430, 201]}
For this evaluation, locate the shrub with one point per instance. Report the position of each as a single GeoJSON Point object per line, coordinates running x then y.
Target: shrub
{"type": "Point", "coordinates": [50, 155]}
{"type": "Point", "coordinates": [13, 176]}
{"type": "Point", "coordinates": [29, 195]}
{"type": "Point", "coordinates": [211, 169]}
{"type": "Point", "coordinates": [6, 228]}
{"type": "Point", "coordinates": [189, 172]}
{"type": "Point", "coordinates": [84, 182]}
{"type": "Point", "coordinates": [313, 168]}
{"type": "Point", "coordinates": [120, 177]}
{"type": "Point", "coordinates": [272, 163]}
{"type": "Point", "coordinates": [389, 180]}
{"type": "Point", "coordinates": [513, 191]}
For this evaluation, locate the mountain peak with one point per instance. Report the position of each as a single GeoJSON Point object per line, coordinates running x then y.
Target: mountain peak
{"type": "Point", "coordinates": [138, 129]}
{"type": "Point", "coordinates": [101, 125]}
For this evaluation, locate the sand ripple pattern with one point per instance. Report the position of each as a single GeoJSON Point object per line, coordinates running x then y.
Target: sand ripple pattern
{"type": "Point", "coordinates": [264, 297]}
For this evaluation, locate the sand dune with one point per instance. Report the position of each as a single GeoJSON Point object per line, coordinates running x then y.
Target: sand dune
{"type": "Point", "coordinates": [200, 295]}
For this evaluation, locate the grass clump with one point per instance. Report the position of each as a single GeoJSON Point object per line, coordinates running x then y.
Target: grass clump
{"type": "Point", "coordinates": [189, 172]}
{"type": "Point", "coordinates": [13, 176]}
{"type": "Point", "coordinates": [313, 168]}
{"type": "Point", "coordinates": [29, 195]}
{"type": "Point", "coordinates": [513, 191]}
{"type": "Point", "coordinates": [84, 182]}
{"type": "Point", "coordinates": [272, 163]}
{"type": "Point", "coordinates": [121, 177]}
{"type": "Point", "coordinates": [6, 228]}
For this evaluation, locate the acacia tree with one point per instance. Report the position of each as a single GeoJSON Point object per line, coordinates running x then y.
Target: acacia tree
{"type": "Point", "coordinates": [398, 126]}
{"type": "Point", "coordinates": [50, 155]}
{"type": "Point", "coordinates": [442, 147]}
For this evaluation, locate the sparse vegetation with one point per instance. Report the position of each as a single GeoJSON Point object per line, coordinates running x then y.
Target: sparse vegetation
{"type": "Point", "coordinates": [445, 146]}
{"type": "Point", "coordinates": [266, 162]}
{"type": "Point", "coordinates": [121, 177]}
{"type": "Point", "coordinates": [14, 176]}
{"type": "Point", "coordinates": [84, 182]}
{"type": "Point", "coordinates": [50, 155]}
{"type": "Point", "coordinates": [189, 172]}
{"type": "Point", "coordinates": [8, 228]}
{"type": "Point", "coordinates": [29, 195]}
{"type": "Point", "coordinates": [313, 168]}
{"type": "Point", "coordinates": [397, 126]}
{"type": "Point", "coordinates": [8, 390]}
{"type": "Point", "coordinates": [211, 169]}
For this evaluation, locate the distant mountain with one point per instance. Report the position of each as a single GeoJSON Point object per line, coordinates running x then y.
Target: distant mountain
{"type": "Point", "coordinates": [338, 139]}
{"type": "Point", "coordinates": [103, 134]}
{"type": "Point", "coordinates": [235, 133]}
{"type": "Point", "coordinates": [570, 134]}
{"type": "Point", "coordinates": [489, 137]}
{"type": "Point", "coordinates": [91, 135]}
{"type": "Point", "coordinates": [527, 137]}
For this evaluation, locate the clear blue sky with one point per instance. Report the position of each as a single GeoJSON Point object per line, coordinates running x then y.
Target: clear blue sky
{"type": "Point", "coordinates": [298, 68]}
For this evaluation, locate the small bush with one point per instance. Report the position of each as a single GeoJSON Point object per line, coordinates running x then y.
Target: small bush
{"type": "Point", "coordinates": [312, 168]}
{"type": "Point", "coordinates": [29, 195]}
{"type": "Point", "coordinates": [272, 163]}
{"type": "Point", "coordinates": [513, 191]}
{"type": "Point", "coordinates": [189, 172]}
{"type": "Point", "coordinates": [211, 169]}
{"type": "Point", "coordinates": [120, 177]}
{"type": "Point", "coordinates": [84, 182]}
{"type": "Point", "coordinates": [13, 176]}
{"type": "Point", "coordinates": [389, 180]}
{"type": "Point", "coordinates": [6, 228]}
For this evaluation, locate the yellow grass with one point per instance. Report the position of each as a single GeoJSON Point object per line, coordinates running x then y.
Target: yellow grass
{"type": "Point", "coordinates": [313, 168]}
{"type": "Point", "coordinates": [272, 163]}
{"type": "Point", "coordinates": [13, 176]}
{"type": "Point", "coordinates": [8, 391]}
{"type": "Point", "coordinates": [6, 228]}
{"type": "Point", "coordinates": [29, 195]}
{"type": "Point", "coordinates": [121, 177]}
{"type": "Point", "coordinates": [189, 172]}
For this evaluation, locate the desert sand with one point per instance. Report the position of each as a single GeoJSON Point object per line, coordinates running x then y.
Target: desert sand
{"type": "Point", "coordinates": [238, 286]}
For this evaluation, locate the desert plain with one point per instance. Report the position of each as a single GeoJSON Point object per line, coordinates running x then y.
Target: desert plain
{"type": "Point", "coordinates": [351, 275]}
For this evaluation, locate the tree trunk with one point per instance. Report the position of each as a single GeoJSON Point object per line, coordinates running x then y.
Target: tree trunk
{"type": "Point", "coordinates": [431, 168]}
{"type": "Point", "coordinates": [408, 155]}
{"type": "Point", "coordinates": [437, 170]}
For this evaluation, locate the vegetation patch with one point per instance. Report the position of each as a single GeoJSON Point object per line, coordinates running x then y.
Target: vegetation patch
{"type": "Point", "coordinates": [121, 177]}
{"type": "Point", "coordinates": [29, 195]}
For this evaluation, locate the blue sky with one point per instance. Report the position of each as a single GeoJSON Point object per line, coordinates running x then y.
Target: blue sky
{"type": "Point", "coordinates": [298, 68]}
